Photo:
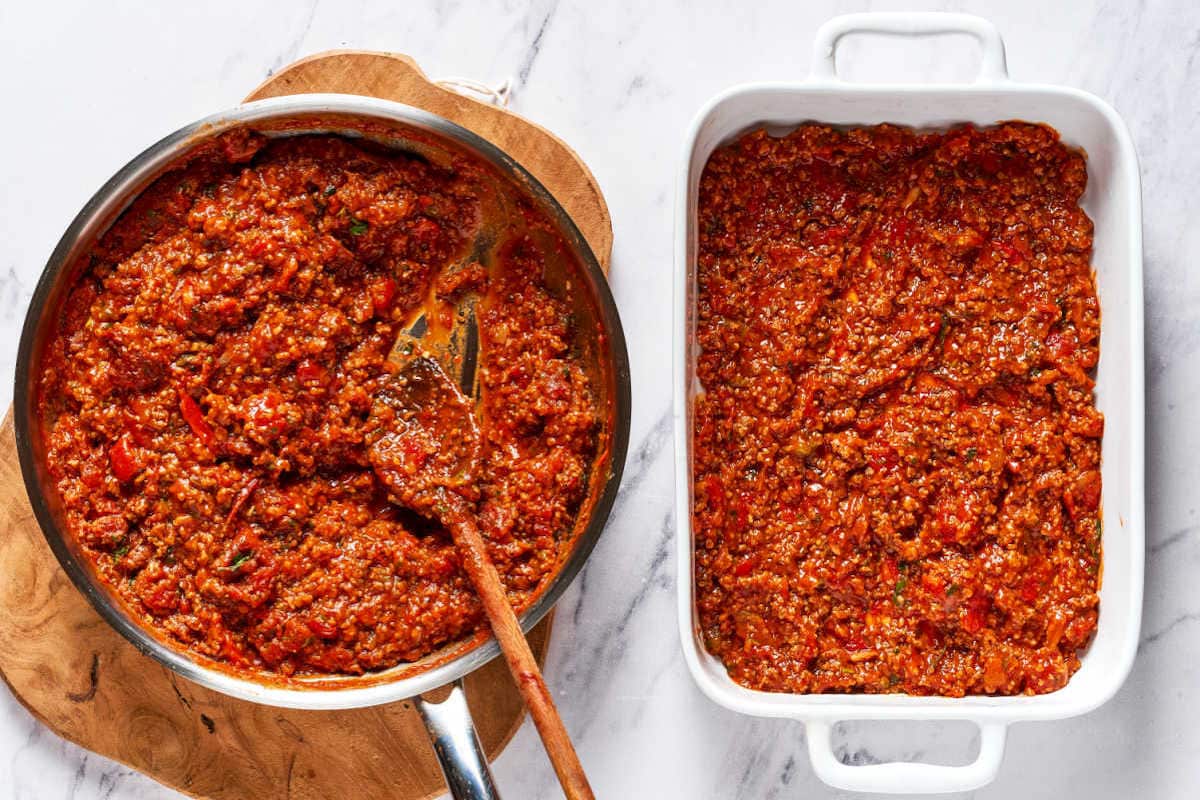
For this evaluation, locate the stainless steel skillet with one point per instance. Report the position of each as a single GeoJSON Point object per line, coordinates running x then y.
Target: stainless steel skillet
{"type": "Point", "coordinates": [598, 338]}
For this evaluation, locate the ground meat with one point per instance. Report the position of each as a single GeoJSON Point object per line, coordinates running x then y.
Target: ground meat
{"type": "Point", "coordinates": [205, 395]}
{"type": "Point", "coordinates": [897, 451]}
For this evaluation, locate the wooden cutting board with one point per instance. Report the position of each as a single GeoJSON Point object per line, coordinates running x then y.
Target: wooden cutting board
{"type": "Point", "coordinates": [88, 685]}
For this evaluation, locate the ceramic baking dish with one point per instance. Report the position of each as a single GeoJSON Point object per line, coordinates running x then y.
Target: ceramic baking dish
{"type": "Point", "coordinates": [1114, 203]}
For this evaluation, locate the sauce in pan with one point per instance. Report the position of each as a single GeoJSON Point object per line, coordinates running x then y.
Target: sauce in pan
{"type": "Point", "coordinates": [206, 393]}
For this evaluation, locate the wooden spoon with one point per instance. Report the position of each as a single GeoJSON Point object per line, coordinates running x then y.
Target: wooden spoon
{"type": "Point", "coordinates": [425, 446]}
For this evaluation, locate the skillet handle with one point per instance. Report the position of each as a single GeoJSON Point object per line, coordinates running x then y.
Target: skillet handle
{"type": "Point", "coordinates": [992, 69]}
{"type": "Point", "coordinates": [906, 777]}
{"type": "Point", "coordinates": [459, 753]}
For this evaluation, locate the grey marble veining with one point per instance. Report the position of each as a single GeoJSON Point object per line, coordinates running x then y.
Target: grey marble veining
{"type": "Point", "coordinates": [88, 85]}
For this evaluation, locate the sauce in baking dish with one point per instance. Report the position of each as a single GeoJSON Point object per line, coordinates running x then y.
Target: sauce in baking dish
{"type": "Point", "coordinates": [897, 450]}
{"type": "Point", "coordinates": [206, 392]}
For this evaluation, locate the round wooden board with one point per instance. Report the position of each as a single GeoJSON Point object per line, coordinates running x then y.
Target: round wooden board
{"type": "Point", "coordinates": [88, 685]}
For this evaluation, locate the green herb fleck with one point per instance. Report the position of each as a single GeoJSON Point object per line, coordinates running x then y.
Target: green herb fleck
{"type": "Point", "coordinates": [971, 453]}
{"type": "Point", "coordinates": [1099, 527]}
{"type": "Point", "coordinates": [893, 679]}
{"type": "Point", "coordinates": [888, 255]}
{"type": "Point", "coordinates": [238, 560]}
{"type": "Point", "coordinates": [330, 189]}
{"type": "Point", "coordinates": [953, 589]}
{"type": "Point", "coordinates": [901, 584]}
{"type": "Point", "coordinates": [120, 552]}
{"type": "Point", "coordinates": [943, 329]}
{"type": "Point", "coordinates": [358, 226]}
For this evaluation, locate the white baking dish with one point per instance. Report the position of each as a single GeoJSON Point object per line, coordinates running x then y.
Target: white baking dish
{"type": "Point", "coordinates": [1113, 201]}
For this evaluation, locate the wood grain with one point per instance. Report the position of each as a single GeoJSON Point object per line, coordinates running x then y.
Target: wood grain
{"type": "Point", "coordinates": [522, 663]}
{"type": "Point", "coordinates": [88, 685]}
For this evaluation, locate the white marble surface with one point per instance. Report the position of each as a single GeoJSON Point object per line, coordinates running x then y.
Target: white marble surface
{"type": "Point", "coordinates": [86, 85]}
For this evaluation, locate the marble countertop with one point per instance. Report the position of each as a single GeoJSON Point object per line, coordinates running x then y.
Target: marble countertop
{"type": "Point", "coordinates": [620, 81]}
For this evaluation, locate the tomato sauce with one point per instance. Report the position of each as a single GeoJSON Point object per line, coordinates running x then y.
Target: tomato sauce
{"type": "Point", "coordinates": [897, 450]}
{"type": "Point", "coordinates": [206, 393]}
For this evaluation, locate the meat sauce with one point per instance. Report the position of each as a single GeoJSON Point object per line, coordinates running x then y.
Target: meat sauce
{"type": "Point", "coordinates": [897, 450]}
{"type": "Point", "coordinates": [205, 396]}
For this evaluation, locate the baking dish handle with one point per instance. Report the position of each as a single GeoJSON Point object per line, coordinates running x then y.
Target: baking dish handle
{"type": "Point", "coordinates": [992, 69]}
{"type": "Point", "coordinates": [905, 777]}
{"type": "Point", "coordinates": [459, 753]}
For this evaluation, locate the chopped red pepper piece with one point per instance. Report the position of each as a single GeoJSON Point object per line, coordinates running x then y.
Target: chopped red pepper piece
{"type": "Point", "coordinates": [241, 499]}
{"type": "Point", "coordinates": [120, 456]}
{"type": "Point", "coordinates": [194, 416]}
{"type": "Point", "coordinates": [383, 294]}
{"type": "Point", "coordinates": [309, 371]}
{"type": "Point", "coordinates": [745, 567]}
{"type": "Point", "coordinates": [1061, 346]}
{"type": "Point", "coordinates": [322, 628]}
{"type": "Point", "coordinates": [977, 609]}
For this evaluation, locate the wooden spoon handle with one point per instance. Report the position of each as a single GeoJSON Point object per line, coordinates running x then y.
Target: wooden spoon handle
{"type": "Point", "coordinates": [521, 663]}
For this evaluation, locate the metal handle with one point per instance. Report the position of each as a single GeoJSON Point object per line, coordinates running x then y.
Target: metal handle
{"type": "Point", "coordinates": [992, 69]}
{"type": "Point", "coordinates": [906, 777]}
{"type": "Point", "coordinates": [459, 753]}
